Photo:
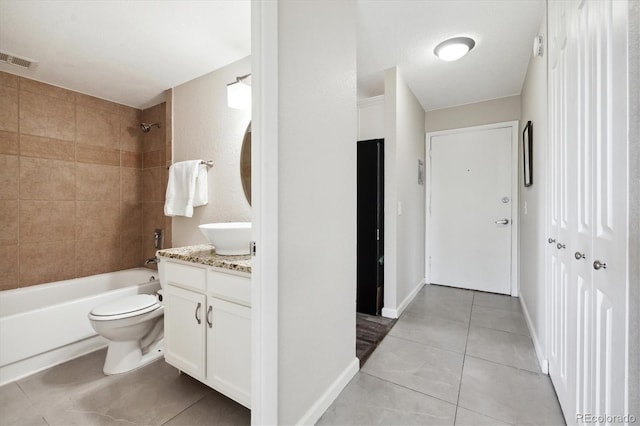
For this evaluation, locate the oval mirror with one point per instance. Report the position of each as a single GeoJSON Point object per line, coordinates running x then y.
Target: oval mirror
{"type": "Point", "coordinates": [245, 164]}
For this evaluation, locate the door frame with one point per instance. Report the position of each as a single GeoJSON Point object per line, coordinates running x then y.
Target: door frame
{"type": "Point", "coordinates": [264, 212]}
{"type": "Point", "coordinates": [515, 223]}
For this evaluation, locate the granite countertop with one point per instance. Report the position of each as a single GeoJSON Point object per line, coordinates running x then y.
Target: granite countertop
{"type": "Point", "coordinates": [205, 254]}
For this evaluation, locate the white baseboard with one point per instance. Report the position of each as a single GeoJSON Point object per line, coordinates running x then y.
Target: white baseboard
{"type": "Point", "coordinates": [26, 367]}
{"type": "Point", "coordinates": [395, 313]}
{"type": "Point", "coordinates": [542, 360]}
{"type": "Point", "coordinates": [320, 406]}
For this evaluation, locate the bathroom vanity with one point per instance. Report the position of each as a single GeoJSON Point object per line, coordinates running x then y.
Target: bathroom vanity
{"type": "Point", "coordinates": [207, 320]}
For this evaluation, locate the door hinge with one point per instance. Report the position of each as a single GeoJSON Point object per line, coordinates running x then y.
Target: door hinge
{"type": "Point", "coordinates": [252, 248]}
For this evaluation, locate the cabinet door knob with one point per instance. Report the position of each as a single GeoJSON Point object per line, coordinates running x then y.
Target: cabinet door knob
{"type": "Point", "coordinates": [579, 255]}
{"type": "Point", "coordinates": [551, 240]}
{"type": "Point", "coordinates": [197, 313]}
{"type": "Point", "coordinates": [597, 265]}
{"type": "Point", "coordinates": [560, 246]}
{"type": "Point", "coordinates": [209, 320]}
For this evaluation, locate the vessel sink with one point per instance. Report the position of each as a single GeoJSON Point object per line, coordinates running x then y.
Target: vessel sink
{"type": "Point", "coordinates": [230, 238]}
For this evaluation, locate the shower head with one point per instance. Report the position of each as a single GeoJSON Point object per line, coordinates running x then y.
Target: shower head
{"type": "Point", "coordinates": [146, 127]}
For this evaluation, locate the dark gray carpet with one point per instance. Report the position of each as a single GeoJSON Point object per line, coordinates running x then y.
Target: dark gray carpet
{"type": "Point", "coordinates": [370, 330]}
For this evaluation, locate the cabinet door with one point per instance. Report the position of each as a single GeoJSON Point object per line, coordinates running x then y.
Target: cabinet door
{"type": "Point", "coordinates": [184, 330]}
{"type": "Point", "coordinates": [229, 349]}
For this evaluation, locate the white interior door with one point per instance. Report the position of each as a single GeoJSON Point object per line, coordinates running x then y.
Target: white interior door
{"type": "Point", "coordinates": [471, 196]}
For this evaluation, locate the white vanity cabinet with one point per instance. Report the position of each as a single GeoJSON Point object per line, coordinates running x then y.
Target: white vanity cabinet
{"type": "Point", "coordinates": [208, 325]}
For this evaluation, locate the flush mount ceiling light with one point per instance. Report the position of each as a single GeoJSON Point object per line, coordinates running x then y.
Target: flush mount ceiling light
{"type": "Point", "coordinates": [239, 93]}
{"type": "Point", "coordinates": [454, 48]}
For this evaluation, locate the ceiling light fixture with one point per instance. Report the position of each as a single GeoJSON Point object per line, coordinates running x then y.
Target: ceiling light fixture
{"type": "Point", "coordinates": [454, 48]}
{"type": "Point", "coordinates": [239, 93]}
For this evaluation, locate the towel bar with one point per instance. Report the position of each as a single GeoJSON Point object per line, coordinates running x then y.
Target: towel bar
{"type": "Point", "coordinates": [208, 163]}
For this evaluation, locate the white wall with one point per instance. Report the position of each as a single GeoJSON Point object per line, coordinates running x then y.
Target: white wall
{"type": "Point", "coordinates": [317, 126]}
{"type": "Point", "coordinates": [476, 114]}
{"type": "Point", "coordinates": [371, 118]}
{"type": "Point", "coordinates": [404, 197]}
{"type": "Point", "coordinates": [532, 220]}
{"type": "Point", "coordinates": [204, 127]}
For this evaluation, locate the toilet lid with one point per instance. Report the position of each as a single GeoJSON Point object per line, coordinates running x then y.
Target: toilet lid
{"type": "Point", "coordinates": [134, 305]}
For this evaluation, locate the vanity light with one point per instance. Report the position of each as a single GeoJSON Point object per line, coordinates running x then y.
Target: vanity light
{"type": "Point", "coordinates": [239, 93]}
{"type": "Point", "coordinates": [454, 48]}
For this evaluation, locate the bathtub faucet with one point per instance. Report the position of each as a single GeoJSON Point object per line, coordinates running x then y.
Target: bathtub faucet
{"type": "Point", "coordinates": [154, 260]}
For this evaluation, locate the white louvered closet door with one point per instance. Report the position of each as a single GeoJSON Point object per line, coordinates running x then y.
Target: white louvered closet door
{"type": "Point", "coordinates": [588, 205]}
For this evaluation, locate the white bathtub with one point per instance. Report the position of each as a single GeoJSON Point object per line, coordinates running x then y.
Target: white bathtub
{"type": "Point", "coordinates": [47, 324]}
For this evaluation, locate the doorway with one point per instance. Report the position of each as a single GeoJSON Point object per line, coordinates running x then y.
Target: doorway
{"type": "Point", "coordinates": [370, 227]}
{"type": "Point", "coordinates": [472, 208]}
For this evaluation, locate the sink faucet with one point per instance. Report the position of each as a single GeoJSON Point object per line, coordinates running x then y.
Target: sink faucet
{"type": "Point", "coordinates": [153, 260]}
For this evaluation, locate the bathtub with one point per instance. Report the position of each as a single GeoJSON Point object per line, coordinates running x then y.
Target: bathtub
{"type": "Point", "coordinates": [47, 324]}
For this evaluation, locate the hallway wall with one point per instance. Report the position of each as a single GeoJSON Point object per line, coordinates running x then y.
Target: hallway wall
{"type": "Point", "coordinates": [316, 205]}
{"type": "Point", "coordinates": [404, 197]}
{"type": "Point", "coordinates": [532, 220]}
{"type": "Point", "coordinates": [476, 114]}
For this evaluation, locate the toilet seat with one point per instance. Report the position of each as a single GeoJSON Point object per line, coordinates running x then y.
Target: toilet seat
{"type": "Point", "coordinates": [126, 307]}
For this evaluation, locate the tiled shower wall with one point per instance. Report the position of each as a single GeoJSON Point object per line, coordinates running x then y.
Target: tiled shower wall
{"type": "Point", "coordinates": [73, 190]}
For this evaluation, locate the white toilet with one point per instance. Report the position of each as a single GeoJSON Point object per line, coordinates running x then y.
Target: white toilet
{"type": "Point", "coordinates": [134, 327]}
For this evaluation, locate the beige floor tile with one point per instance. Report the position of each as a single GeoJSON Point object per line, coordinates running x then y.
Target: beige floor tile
{"type": "Point", "coordinates": [429, 370]}
{"type": "Point", "coordinates": [368, 400]}
{"type": "Point", "coordinates": [502, 347]}
{"type": "Point", "coordinates": [508, 394]}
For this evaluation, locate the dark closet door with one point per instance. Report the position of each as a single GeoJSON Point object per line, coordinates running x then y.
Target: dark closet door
{"type": "Point", "coordinates": [370, 268]}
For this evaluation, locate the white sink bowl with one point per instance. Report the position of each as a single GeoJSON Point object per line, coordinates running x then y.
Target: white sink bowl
{"type": "Point", "coordinates": [229, 238]}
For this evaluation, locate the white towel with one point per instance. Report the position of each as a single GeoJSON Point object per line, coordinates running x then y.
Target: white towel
{"type": "Point", "coordinates": [186, 189]}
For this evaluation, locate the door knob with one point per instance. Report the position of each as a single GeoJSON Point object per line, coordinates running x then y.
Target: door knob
{"type": "Point", "coordinates": [597, 265]}
{"type": "Point", "coordinates": [502, 222]}
{"type": "Point", "coordinates": [560, 246]}
{"type": "Point", "coordinates": [579, 256]}
{"type": "Point", "coordinates": [551, 240]}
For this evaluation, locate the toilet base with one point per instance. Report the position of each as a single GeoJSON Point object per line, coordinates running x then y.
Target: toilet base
{"type": "Point", "coordinates": [126, 356]}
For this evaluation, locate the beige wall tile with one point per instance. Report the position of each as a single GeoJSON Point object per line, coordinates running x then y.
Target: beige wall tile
{"type": "Point", "coordinates": [8, 109]}
{"type": "Point", "coordinates": [46, 116]}
{"type": "Point", "coordinates": [153, 159]}
{"type": "Point", "coordinates": [9, 223]}
{"type": "Point", "coordinates": [152, 188]}
{"type": "Point", "coordinates": [9, 266]}
{"type": "Point", "coordinates": [9, 143]}
{"type": "Point", "coordinates": [131, 218]}
{"type": "Point", "coordinates": [9, 80]}
{"type": "Point", "coordinates": [97, 182]}
{"type": "Point", "coordinates": [130, 133]}
{"type": "Point", "coordinates": [93, 102]}
{"type": "Point", "coordinates": [152, 217]}
{"type": "Point", "coordinates": [36, 146]}
{"type": "Point", "coordinates": [97, 155]}
{"type": "Point", "coordinates": [131, 251]}
{"type": "Point", "coordinates": [131, 159]}
{"type": "Point", "coordinates": [44, 221]}
{"type": "Point", "coordinates": [168, 155]}
{"type": "Point", "coordinates": [32, 86]}
{"type": "Point", "coordinates": [37, 263]}
{"type": "Point", "coordinates": [97, 127]}
{"type": "Point", "coordinates": [44, 179]}
{"type": "Point", "coordinates": [97, 219]}
{"type": "Point", "coordinates": [131, 184]}
{"type": "Point", "coordinates": [155, 140]}
{"type": "Point", "coordinates": [9, 177]}
{"type": "Point", "coordinates": [104, 256]}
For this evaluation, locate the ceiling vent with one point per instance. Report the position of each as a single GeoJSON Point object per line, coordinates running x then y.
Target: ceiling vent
{"type": "Point", "coordinates": [18, 61]}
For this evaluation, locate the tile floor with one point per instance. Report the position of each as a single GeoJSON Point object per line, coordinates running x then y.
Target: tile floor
{"type": "Point", "coordinates": [454, 357]}
{"type": "Point", "coordinates": [77, 393]}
